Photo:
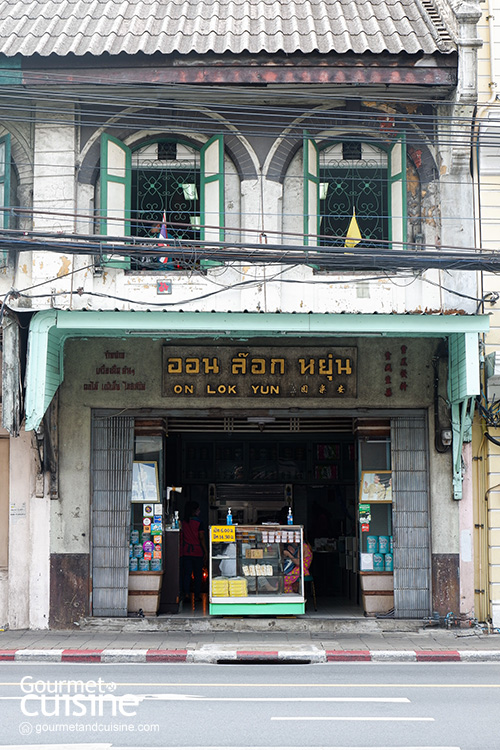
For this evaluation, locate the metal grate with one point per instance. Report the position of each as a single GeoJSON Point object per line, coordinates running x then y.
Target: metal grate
{"type": "Point", "coordinates": [412, 580]}
{"type": "Point", "coordinates": [112, 461]}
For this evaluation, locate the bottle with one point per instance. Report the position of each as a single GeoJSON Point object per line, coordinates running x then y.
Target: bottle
{"type": "Point", "coordinates": [176, 519]}
{"type": "Point", "coordinates": [289, 518]}
{"type": "Point", "coordinates": [229, 517]}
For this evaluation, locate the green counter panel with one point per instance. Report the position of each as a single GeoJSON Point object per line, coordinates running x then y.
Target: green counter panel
{"type": "Point", "coordinates": [246, 608]}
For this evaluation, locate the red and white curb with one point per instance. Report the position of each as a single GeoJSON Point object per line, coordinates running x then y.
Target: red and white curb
{"type": "Point", "coordinates": [212, 655]}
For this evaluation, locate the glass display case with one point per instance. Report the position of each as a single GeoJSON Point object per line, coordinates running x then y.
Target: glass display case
{"type": "Point", "coordinates": [251, 572]}
{"type": "Point", "coordinates": [146, 540]}
{"type": "Point", "coordinates": [375, 519]}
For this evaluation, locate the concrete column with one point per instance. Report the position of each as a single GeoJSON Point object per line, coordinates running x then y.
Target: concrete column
{"type": "Point", "coordinates": [54, 189]}
{"type": "Point", "coordinates": [20, 531]}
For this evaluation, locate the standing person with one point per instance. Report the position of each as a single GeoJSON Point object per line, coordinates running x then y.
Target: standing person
{"type": "Point", "coordinates": [193, 550]}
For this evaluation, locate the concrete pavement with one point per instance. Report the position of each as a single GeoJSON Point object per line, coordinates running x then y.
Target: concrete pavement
{"type": "Point", "coordinates": [229, 646]}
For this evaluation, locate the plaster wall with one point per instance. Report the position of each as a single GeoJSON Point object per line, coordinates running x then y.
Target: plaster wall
{"type": "Point", "coordinates": [70, 514]}
{"type": "Point", "coordinates": [445, 538]}
{"type": "Point", "coordinates": [29, 535]}
{"type": "Point", "coordinates": [251, 206]}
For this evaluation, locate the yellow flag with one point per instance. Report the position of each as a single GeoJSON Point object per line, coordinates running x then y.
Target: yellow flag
{"type": "Point", "coordinates": [353, 233]}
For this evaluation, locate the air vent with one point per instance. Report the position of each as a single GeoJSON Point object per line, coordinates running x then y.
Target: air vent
{"type": "Point", "coordinates": [267, 424]}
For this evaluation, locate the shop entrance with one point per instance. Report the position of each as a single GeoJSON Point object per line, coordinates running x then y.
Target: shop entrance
{"type": "Point", "coordinates": [259, 474]}
{"type": "Point", "coordinates": [338, 476]}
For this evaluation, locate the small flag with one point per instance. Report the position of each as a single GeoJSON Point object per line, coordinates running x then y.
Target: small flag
{"type": "Point", "coordinates": [353, 233]}
{"type": "Point", "coordinates": [164, 235]}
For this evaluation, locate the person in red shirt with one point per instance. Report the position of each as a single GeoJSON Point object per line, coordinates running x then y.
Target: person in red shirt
{"type": "Point", "coordinates": [193, 550]}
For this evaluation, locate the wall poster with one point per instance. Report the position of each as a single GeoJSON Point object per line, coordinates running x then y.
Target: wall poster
{"type": "Point", "coordinates": [145, 488]}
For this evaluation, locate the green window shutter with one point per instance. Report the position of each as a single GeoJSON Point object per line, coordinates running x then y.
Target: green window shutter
{"type": "Point", "coordinates": [4, 187]}
{"type": "Point", "coordinates": [212, 194]}
{"type": "Point", "coordinates": [397, 193]}
{"type": "Point", "coordinates": [116, 164]}
{"type": "Point", "coordinates": [311, 191]}
{"type": "Point", "coordinates": [5, 179]}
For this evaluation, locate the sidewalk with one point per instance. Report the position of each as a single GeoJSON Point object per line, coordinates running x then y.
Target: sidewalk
{"type": "Point", "coordinates": [213, 647]}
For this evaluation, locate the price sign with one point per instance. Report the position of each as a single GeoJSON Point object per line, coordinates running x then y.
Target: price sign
{"type": "Point", "coordinates": [223, 533]}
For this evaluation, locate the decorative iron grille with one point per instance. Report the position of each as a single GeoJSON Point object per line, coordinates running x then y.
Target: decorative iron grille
{"type": "Point", "coordinates": [171, 187]}
{"type": "Point", "coordinates": [345, 186]}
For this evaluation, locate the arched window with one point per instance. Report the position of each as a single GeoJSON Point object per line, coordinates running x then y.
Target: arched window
{"type": "Point", "coordinates": [162, 178]}
{"type": "Point", "coordinates": [355, 180]}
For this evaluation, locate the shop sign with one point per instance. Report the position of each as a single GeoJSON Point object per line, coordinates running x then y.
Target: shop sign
{"type": "Point", "coordinates": [223, 534]}
{"type": "Point", "coordinates": [272, 372]}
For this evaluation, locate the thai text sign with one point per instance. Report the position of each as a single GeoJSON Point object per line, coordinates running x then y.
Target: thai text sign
{"type": "Point", "coordinates": [230, 372]}
{"type": "Point", "coordinates": [223, 533]}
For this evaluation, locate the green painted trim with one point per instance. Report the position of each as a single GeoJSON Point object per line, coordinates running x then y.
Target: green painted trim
{"type": "Point", "coordinates": [204, 181]}
{"type": "Point", "coordinates": [460, 422]}
{"type": "Point", "coordinates": [118, 261]}
{"type": "Point", "coordinates": [5, 181]}
{"type": "Point", "coordinates": [391, 179]}
{"type": "Point", "coordinates": [10, 70]}
{"type": "Point", "coordinates": [65, 324]}
{"type": "Point", "coordinates": [308, 177]}
{"type": "Point", "coordinates": [242, 608]}
{"type": "Point", "coordinates": [227, 325]}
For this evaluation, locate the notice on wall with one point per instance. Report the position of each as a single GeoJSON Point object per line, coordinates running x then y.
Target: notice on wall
{"type": "Point", "coordinates": [365, 515]}
{"type": "Point", "coordinates": [366, 561]}
{"type": "Point", "coordinates": [230, 372]}
{"type": "Point", "coordinates": [223, 533]}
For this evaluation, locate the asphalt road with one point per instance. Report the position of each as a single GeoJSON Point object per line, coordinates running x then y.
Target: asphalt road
{"type": "Point", "coordinates": [383, 706]}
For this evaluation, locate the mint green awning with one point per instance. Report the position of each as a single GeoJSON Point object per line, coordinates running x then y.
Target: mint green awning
{"type": "Point", "coordinates": [50, 329]}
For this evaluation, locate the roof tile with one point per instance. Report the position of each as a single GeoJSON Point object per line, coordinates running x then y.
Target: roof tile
{"type": "Point", "coordinates": [46, 27]}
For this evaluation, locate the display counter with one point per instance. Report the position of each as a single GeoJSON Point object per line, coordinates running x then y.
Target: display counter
{"type": "Point", "coordinates": [248, 566]}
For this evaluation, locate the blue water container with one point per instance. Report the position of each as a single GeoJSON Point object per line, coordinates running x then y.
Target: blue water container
{"type": "Point", "coordinates": [378, 561]}
{"type": "Point", "coordinates": [383, 545]}
{"type": "Point", "coordinates": [134, 537]}
{"type": "Point", "coordinates": [143, 565]}
{"type": "Point", "coordinates": [372, 543]}
{"type": "Point", "coordinates": [155, 564]}
{"type": "Point", "coordinates": [391, 544]}
{"type": "Point", "coordinates": [138, 551]}
{"type": "Point", "coordinates": [132, 565]}
{"type": "Point", "coordinates": [389, 562]}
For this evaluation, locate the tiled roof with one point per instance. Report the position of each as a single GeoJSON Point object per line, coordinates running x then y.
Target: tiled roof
{"type": "Point", "coordinates": [59, 27]}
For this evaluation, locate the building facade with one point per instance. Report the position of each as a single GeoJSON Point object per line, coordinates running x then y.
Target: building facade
{"type": "Point", "coordinates": [486, 435]}
{"type": "Point", "coordinates": [225, 245]}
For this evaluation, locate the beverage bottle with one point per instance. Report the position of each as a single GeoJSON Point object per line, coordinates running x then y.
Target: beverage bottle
{"type": "Point", "coordinates": [289, 518]}
{"type": "Point", "coordinates": [229, 517]}
{"type": "Point", "coordinates": [176, 519]}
